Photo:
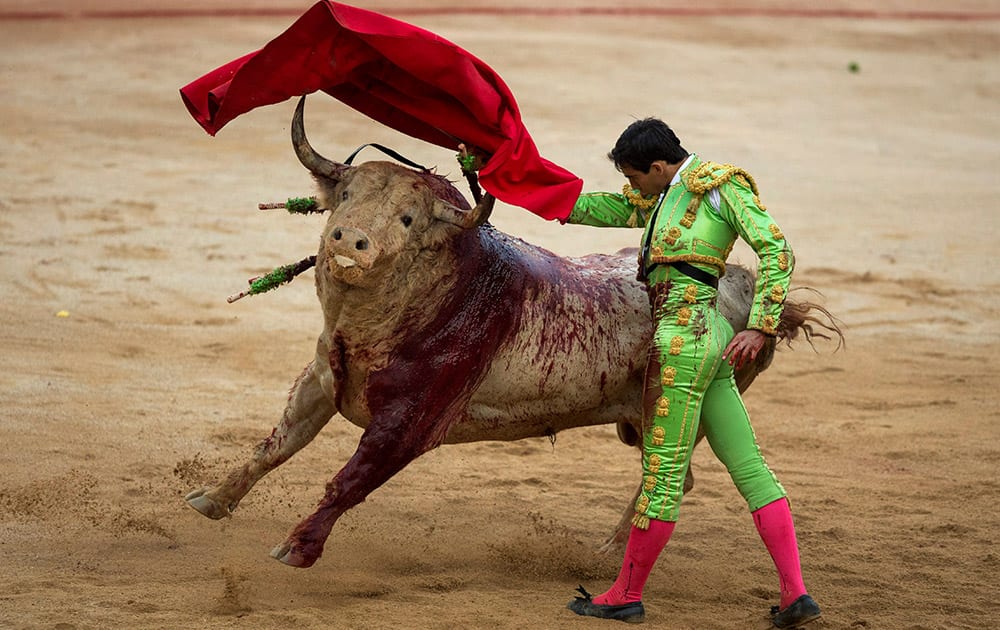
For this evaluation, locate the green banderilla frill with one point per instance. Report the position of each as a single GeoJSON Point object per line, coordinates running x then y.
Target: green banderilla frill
{"type": "Point", "coordinates": [294, 205]}
{"type": "Point", "coordinates": [274, 279]}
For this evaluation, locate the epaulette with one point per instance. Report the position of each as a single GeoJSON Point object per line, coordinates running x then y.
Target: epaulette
{"type": "Point", "coordinates": [709, 175]}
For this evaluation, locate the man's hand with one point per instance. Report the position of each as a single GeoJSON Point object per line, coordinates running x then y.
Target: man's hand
{"type": "Point", "coordinates": [744, 348]}
{"type": "Point", "coordinates": [470, 161]}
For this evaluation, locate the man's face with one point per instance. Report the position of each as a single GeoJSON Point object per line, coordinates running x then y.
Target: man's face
{"type": "Point", "coordinates": [651, 183]}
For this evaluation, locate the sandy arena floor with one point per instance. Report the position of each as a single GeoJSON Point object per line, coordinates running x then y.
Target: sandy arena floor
{"type": "Point", "coordinates": [118, 212]}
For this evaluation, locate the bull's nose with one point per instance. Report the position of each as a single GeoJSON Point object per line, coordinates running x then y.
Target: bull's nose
{"type": "Point", "coordinates": [360, 242]}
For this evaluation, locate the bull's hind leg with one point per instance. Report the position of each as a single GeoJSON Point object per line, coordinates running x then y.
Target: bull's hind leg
{"type": "Point", "coordinates": [307, 412]}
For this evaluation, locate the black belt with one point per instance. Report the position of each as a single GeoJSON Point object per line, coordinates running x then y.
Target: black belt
{"type": "Point", "coordinates": [694, 273]}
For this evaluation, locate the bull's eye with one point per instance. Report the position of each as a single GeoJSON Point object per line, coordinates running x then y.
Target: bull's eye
{"type": "Point", "coordinates": [407, 220]}
{"type": "Point", "coordinates": [343, 196]}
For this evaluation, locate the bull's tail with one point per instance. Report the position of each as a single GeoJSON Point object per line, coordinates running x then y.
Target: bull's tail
{"type": "Point", "coordinates": [810, 320]}
{"type": "Point", "coordinates": [807, 319]}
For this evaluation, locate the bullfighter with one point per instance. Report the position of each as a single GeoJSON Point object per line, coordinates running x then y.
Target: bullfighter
{"type": "Point", "coordinates": [692, 211]}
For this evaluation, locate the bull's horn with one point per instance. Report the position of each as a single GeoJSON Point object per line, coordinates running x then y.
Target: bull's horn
{"type": "Point", "coordinates": [316, 163]}
{"type": "Point", "coordinates": [445, 211]}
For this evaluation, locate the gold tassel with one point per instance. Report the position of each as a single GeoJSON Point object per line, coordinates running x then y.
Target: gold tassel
{"type": "Point", "coordinates": [633, 220]}
{"type": "Point", "coordinates": [658, 434]}
{"type": "Point", "coordinates": [640, 521]}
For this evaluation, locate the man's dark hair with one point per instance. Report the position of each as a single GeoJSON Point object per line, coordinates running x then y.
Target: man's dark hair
{"type": "Point", "coordinates": [645, 141]}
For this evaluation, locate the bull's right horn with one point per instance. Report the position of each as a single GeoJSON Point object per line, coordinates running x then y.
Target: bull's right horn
{"type": "Point", "coordinates": [316, 163]}
{"type": "Point", "coordinates": [444, 211]}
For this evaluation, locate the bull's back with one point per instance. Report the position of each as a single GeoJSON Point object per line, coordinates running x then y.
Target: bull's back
{"type": "Point", "coordinates": [576, 353]}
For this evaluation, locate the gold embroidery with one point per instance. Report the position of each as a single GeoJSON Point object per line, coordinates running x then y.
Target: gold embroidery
{"type": "Point", "coordinates": [683, 316]}
{"type": "Point", "coordinates": [777, 294]}
{"type": "Point", "coordinates": [658, 434]}
{"type": "Point", "coordinates": [656, 250]}
{"type": "Point", "coordinates": [783, 261]}
{"type": "Point", "coordinates": [640, 521]}
{"type": "Point", "coordinates": [663, 406]}
{"type": "Point", "coordinates": [688, 219]}
{"type": "Point", "coordinates": [668, 377]}
{"type": "Point", "coordinates": [709, 175]}
{"type": "Point", "coordinates": [769, 325]}
{"type": "Point", "coordinates": [649, 483]}
{"type": "Point", "coordinates": [776, 231]}
{"type": "Point", "coordinates": [718, 263]}
{"type": "Point", "coordinates": [692, 208]}
{"type": "Point", "coordinates": [654, 463]}
{"type": "Point", "coordinates": [676, 344]}
{"type": "Point", "coordinates": [635, 198]}
{"type": "Point", "coordinates": [691, 294]}
{"type": "Point", "coordinates": [673, 234]}
{"type": "Point", "coordinates": [642, 504]}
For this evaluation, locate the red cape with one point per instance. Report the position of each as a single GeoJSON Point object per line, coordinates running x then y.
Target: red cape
{"type": "Point", "coordinates": [402, 76]}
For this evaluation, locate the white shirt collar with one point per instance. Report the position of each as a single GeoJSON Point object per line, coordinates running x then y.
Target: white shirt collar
{"type": "Point", "coordinates": [684, 165]}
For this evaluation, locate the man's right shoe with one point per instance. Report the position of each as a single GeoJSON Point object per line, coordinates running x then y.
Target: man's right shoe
{"type": "Point", "coordinates": [633, 612]}
{"type": "Point", "coordinates": [798, 613]}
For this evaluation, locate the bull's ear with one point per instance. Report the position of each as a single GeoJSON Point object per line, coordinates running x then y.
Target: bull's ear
{"type": "Point", "coordinates": [316, 163]}
{"type": "Point", "coordinates": [466, 219]}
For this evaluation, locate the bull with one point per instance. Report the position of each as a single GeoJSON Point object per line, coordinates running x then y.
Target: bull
{"type": "Point", "coordinates": [438, 328]}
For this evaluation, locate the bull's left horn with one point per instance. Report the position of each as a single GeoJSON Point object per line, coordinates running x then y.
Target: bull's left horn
{"type": "Point", "coordinates": [445, 211]}
{"type": "Point", "coordinates": [316, 163]}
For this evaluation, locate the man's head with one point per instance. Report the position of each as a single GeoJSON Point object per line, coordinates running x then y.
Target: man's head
{"type": "Point", "coordinates": [646, 141]}
{"type": "Point", "coordinates": [648, 153]}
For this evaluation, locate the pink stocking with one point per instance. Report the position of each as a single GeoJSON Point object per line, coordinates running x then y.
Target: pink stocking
{"type": "Point", "coordinates": [643, 548]}
{"type": "Point", "coordinates": [774, 523]}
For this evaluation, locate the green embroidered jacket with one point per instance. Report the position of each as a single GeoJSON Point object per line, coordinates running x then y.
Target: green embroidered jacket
{"type": "Point", "coordinates": [688, 228]}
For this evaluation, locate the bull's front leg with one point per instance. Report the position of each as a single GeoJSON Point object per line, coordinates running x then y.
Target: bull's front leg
{"type": "Point", "coordinates": [307, 412]}
{"type": "Point", "coordinates": [389, 443]}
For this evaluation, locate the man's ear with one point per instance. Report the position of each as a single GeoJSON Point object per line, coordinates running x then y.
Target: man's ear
{"type": "Point", "coordinates": [658, 166]}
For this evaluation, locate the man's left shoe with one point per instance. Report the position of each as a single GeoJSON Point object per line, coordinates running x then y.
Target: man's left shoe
{"type": "Point", "coordinates": [633, 612]}
{"type": "Point", "coordinates": [798, 613]}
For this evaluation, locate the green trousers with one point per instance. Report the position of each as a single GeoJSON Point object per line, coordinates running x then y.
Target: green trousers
{"type": "Point", "coordinates": [688, 384]}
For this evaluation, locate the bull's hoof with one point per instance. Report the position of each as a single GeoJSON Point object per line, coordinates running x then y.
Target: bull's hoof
{"type": "Point", "coordinates": [288, 554]}
{"type": "Point", "coordinates": [206, 505]}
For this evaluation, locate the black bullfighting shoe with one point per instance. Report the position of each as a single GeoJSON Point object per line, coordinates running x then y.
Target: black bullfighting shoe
{"type": "Point", "coordinates": [633, 612]}
{"type": "Point", "coordinates": [800, 612]}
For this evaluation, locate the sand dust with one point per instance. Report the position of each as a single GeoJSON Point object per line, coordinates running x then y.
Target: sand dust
{"type": "Point", "coordinates": [118, 210]}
